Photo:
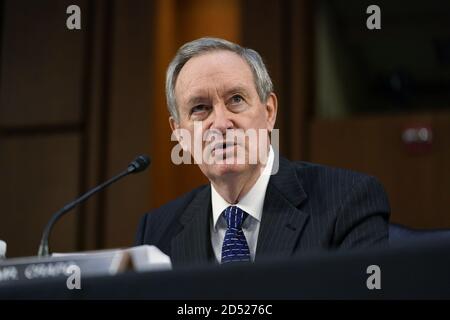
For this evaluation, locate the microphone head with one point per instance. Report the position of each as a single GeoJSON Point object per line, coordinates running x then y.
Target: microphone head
{"type": "Point", "coordinates": [139, 164]}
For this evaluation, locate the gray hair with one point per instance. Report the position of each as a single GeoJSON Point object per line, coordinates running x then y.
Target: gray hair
{"type": "Point", "coordinates": [261, 77]}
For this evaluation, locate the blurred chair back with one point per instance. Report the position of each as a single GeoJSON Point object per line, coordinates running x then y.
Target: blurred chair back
{"type": "Point", "coordinates": [399, 234]}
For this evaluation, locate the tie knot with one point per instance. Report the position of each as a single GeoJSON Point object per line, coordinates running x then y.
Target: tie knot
{"type": "Point", "coordinates": [235, 217]}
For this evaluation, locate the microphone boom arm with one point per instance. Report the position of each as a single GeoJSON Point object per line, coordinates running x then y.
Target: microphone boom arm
{"type": "Point", "coordinates": [138, 165]}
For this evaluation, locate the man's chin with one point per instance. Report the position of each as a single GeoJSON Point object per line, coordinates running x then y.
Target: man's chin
{"type": "Point", "coordinates": [222, 169]}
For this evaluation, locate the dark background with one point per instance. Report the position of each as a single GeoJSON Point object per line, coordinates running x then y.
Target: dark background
{"type": "Point", "coordinates": [77, 105]}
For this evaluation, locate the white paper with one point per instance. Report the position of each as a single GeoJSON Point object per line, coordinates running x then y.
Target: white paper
{"type": "Point", "coordinates": [143, 258]}
{"type": "Point", "coordinates": [146, 258]}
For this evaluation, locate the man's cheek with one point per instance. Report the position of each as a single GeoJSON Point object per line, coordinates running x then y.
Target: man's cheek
{"type": "Point", "coordinates": [195, 150]}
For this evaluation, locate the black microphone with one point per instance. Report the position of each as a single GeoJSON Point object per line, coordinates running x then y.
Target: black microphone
{"type": "Point", "coordinates": [137, 165]}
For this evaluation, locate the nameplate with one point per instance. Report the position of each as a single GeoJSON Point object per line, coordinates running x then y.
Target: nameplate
{"type": "Point", "coordinates": [32, 268]}
{"type": "Point", "coordinates": [93, 263]}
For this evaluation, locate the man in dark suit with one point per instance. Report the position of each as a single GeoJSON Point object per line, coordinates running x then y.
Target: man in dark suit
{"type": "Point", "coordinates": [252, 209]}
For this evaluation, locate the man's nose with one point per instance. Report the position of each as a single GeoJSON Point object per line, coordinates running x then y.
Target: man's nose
{"type": "Point", "coordinates": [222, 119]}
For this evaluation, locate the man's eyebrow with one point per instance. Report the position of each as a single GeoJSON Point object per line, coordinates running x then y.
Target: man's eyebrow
{"type": "Point", "coordinates": [236, 89]}
{"type": "Point", "coordinates": [197, 99]}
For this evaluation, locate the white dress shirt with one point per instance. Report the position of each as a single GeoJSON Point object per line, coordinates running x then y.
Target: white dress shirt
{"type": "Point", "coordinates": [252, 203]}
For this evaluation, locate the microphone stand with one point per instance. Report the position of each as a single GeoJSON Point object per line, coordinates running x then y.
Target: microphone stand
{"type": "Point", "coordinates": [139, 164]}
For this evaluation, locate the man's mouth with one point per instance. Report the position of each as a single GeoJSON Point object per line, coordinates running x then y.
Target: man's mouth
{"type": "Point", "coordinates": [223, 146]}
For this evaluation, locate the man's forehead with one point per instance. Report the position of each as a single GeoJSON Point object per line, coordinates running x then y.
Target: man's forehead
{"type": "Point", "coordinates": [216, 71]}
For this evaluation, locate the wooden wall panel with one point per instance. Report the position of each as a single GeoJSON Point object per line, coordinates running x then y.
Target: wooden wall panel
{"type": "Point", "coordinates": [441, 170]}
{"type": "Point", "coordinates": [51, 87]}
{"type": "Point", "coordinates": [418, 184]}
{"type": "Point", "coordinates": [212, 18]}
{"type": "Point", "coordinates": [93, 84]}
{"type": "Point", "coordinates": [41, 122]}
{"type": "Point", "coordinates": [97, 47]}
{"type": "Point", "coordinates": [162, 171]}
{"type": "Point", "coordinates": [282, 32]}
{"type": "Point", "coordinates": [39, 175]}
{"type": "Point", "coordinates": [262, 28]}
{"type": "Point", "coordinates": [38, 78]}
{"type": "Point", "coordinates": [129, 119]}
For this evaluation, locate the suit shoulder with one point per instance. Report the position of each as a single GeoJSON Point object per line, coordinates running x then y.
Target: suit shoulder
{"type": "Point", "coordinates": [157, 222]}
{"type": "Point", "coordinates": [178, 203]}
{"type": "Point", "coordinates": [325, 177]}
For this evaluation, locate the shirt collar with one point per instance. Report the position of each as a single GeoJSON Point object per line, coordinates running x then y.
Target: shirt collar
{"type": "Point", "coordinates": [252, 202]}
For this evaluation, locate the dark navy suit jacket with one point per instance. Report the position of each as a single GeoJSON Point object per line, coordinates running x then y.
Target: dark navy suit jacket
{"type": "Point", "coordinates": [307, 207]}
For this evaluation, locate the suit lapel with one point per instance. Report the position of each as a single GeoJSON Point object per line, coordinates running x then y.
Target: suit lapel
{"type": "Point", "coordinates": [282, 222]}
{"type": "Point", "coordinates": [192, 244]}
{"type": "Point", "coordinates": [281, 226]}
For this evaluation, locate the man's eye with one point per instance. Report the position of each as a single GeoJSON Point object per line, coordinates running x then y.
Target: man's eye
{"type": "Point", "coordinates": [199, 108]}
{"type": "Point", "coordinates": [236, 99]}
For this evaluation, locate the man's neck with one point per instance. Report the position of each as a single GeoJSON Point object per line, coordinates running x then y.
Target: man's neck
{"type": "Point", "coordinates": [234, 187]}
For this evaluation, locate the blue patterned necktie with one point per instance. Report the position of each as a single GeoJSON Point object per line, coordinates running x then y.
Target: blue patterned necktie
{"type": "Point", "coordinates": [235, 247]}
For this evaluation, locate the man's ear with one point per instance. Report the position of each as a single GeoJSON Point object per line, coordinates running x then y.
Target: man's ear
{"type": "Point", "coordinates": [175, 126]}
{"type": "Point", "coordinates": [271, 109]}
